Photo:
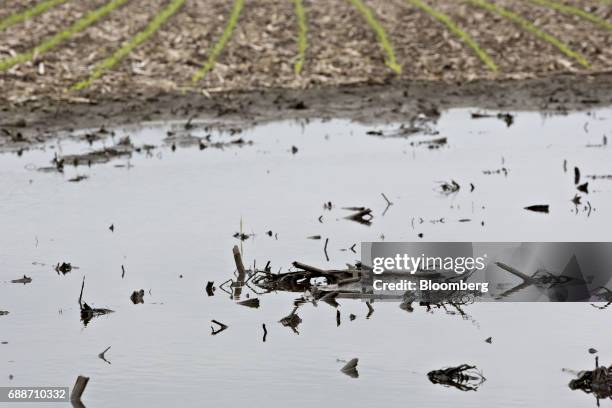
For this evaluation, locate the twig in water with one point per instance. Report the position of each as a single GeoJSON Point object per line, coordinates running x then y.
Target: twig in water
{"type": "Point", "coordinates": [389, 204]}
{"type": "Point", "coordinates": [308, 268]}
{"type": "Point", "coordinates": [221, 327]}
{"type": "Point", "coordinates": [81, 294]}
{"type": "Point", "coordinates": [87, 312]}
{"type": "Point", "coordinates": [370, 310]}
{"type": "Point", "coordinates": [102, 355]}
{"type": "Point", "coordinates": [265, 332]}
{"type": "Point", "coordinates": [325, 249]}
{"type": "Point", "coordinates": [238, 261]}
{"type": "Point", "coordinates": [241, 273]}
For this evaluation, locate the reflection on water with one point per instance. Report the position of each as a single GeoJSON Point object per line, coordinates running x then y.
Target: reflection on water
{"type": "Point", "coordinates": [464, 377]}
{"type": "Point", "coordinates": [175, 201]}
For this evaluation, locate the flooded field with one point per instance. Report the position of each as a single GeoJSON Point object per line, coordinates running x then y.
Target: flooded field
{"type": "Point", "coordinates": [161, 212]}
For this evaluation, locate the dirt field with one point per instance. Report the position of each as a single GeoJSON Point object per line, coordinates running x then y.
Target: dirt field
{"type": "Point", "coordinates": [348, 44]}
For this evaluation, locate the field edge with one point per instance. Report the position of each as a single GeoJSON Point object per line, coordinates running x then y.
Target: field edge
{"type": "Point", "coordinates": [39, 120]}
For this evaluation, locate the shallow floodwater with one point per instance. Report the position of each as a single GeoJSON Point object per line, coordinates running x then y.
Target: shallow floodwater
{"type": "Point", "coordinates": [174, 215]}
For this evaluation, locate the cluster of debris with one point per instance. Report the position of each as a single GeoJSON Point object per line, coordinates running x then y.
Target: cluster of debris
{"type": "Point", "coordinates": [87, 312]}
{"type": "Point", "coordinates": [463, 377]}
{"type": "Point", "coordinates": [597, 382]}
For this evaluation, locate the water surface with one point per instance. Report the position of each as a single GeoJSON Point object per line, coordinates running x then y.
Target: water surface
{"type": "Point", "coordinates": [174, 215]}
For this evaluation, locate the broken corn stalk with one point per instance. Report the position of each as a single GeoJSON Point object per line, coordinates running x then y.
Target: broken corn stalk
{"type": "Point", "coordinates": [390, 60]}
{"type": "Point", "coordinates": [455, 29]}
{"type": "Point", "coordinates": [220, 45]}
{"type": "Point", "coordinates": [33, 11]}
{"type": "Point", "coordinates": [530, 27]}
{"type": "Point", "coordinates": [60, 37]}
{"type": "Point", "coordinates": [138, 39]}
{"type": "Point", "coordinates": [302, 32]}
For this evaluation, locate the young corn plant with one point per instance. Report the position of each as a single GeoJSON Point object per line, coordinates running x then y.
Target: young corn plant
{"type": "Point", "coordinates": [33, 11]}
{"type": "Point", "coordinates": [530, 27]}
{"type": "Point", "coordinates": [62, 36]}
{"type": "Point", "coordinates": [302, 33]}
{"type": "Point", "coordinates": [366, 12]}
{"type": "Point", "coordinates": [220, 45]}
{"type": "Point", "coordinates": [563, 8]}
{"type": "Point", "coordinates": [455, 29]}
{"type": "Point", "coordinates": [107, 64]}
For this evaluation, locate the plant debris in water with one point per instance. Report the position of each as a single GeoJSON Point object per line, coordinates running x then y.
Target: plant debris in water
{"type": "Point", "coordinates": [219, 329]}
{"type": "Point", "coordinates": [506, 117]}
{"type": "Point", "coordinates": [597, 382]}
{"type": "Point", "coordinates": [183, 139]}
{"type": "Point", "coordinates": [63, 268]}
{"type": "Point", "coordinates": [78, 178]}
{"type": "Point", "coordinates": [210, 288]}
{"type": "Point", "coordinates": [292, 320]}
{"type": "Point", "coordinates": [102, 355]}
{"type": "Point", "coordinates": [253, 303]}
{"type": "Point", "coordinates": [418, 125]}
{"type": "Point", "coordinates": [463, 377]}
{"type": "Point", "coordinates": [87, 312]}
{"type": "Point", "coordinates": [604, 294]}
{"type": "Point", "coordinates": [435, 143]}
{"type": "Point", "coordinates": [541, 208]}
{"type": "Point", "coordinates": [350, 368]}
{"type": "Point", "coordinates": [304, 279]}
{"type": "Point", "coordinates": [449, 187]}
{"type": "Point", "coordinates": [122, 148]}
{"type": "Point", "coordinates": [362, 215]}
{"type": "Point", "coordinates": [543, 278]}
{"type": "Point", "coordinates": [24, 280]}
{"type": "Point", "coordinates": [242, 236]}
{"type": "Point", "coordinates": [265, 332]}
{"type": "Point", "coordinates": [137, 296]}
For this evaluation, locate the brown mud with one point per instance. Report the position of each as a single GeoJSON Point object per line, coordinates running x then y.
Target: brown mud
{"type": "Point", "coordinates": [27, 124]}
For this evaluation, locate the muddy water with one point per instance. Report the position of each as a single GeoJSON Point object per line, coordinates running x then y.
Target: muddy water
{"type": "Point", "coordinates": [174, 214]}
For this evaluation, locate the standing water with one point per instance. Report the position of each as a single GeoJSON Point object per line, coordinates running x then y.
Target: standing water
{"type": "Point", "coordinates": [278, 191]}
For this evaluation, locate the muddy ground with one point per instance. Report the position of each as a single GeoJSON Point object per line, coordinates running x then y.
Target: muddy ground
{"type": "Point", "coordinates": [27, 124]}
